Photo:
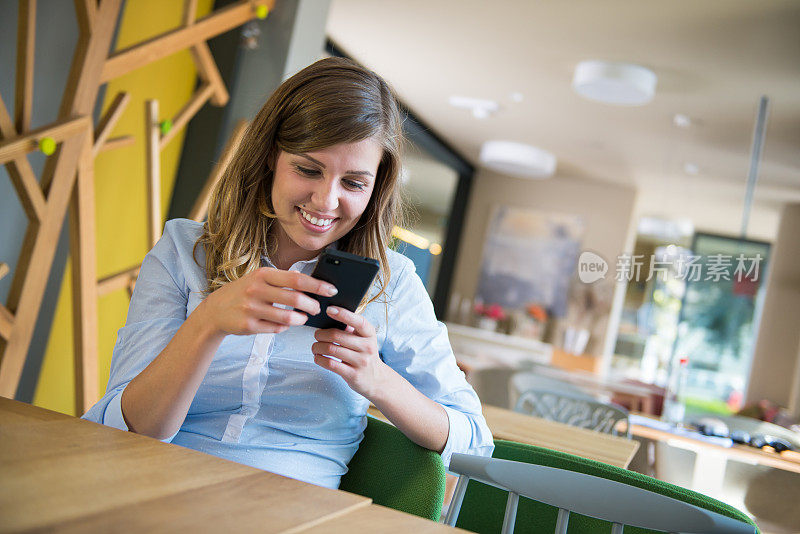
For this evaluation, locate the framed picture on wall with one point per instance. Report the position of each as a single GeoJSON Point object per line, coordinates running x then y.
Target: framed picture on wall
{"type": "Point", "coordinates": [529, 258]}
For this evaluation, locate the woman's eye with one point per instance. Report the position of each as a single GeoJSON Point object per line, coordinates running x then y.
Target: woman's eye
{"type": "Point", "coordinates": [307, 171]}
{"type": "Point", "coordinates": [355, 185]}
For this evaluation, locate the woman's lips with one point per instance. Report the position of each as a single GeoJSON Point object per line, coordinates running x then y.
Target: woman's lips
{"type": "Point", "coordinates": [313, 227]}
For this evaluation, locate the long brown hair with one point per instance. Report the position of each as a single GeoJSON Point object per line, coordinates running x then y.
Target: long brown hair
{"type": "Point", "coordinates": [330, 102]}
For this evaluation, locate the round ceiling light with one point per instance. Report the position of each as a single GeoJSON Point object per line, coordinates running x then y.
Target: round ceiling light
{"type": "Point", "coordinates": [623, 84]}
{"type": "Point", "coordinates": [518, 159]}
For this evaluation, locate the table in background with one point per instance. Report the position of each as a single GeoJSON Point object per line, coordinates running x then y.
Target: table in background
{"type": "Point", "coordinates": [522, 428]}
{"type": "Point", "coordinates": [62, 473]}
{"type": "Point", "coordinates": [712, 457]}
{"type": "Point", "coordinates": [513, 426]}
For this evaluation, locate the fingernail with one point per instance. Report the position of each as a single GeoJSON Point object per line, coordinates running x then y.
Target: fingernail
{"type": "Point", "coordinates": [332, 291]}
{"type": "Point", "coordinates": [332, 310]}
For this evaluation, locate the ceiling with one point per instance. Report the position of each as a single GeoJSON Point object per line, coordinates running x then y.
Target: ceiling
{"type": "Point", "coordinates": [713, 59]}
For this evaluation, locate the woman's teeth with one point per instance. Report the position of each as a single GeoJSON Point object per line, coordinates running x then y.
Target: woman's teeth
{"type": "Point", "coordinates": [314, 220]}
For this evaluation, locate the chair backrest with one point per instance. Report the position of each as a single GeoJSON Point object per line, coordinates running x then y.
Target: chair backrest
{"type": "Point", "coordinates": [522, 381]}
{"type": "Point", "coordinates": [395, 472]}
{"type": "Point", "coordinates": [574, 409]}
{"type": "Point", "coordinates": [601, 497]}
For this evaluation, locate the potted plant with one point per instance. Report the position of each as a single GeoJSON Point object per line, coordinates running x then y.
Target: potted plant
{"type": "Point", "coordinates": [488, 316]}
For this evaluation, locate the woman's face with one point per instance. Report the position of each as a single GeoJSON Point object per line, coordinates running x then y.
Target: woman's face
{"type": "Point", "coordinates": [319, 196]}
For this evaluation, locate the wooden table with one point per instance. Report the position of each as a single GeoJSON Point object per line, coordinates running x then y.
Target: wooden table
{"type": "Point", "coordinates": [514, 426]}
{"type": "Point", "coordinates": [711, 459]}
{"type": "Point", "coordinates": [62, 473]}
{"type": "Point", "coordinates": [787, 460]}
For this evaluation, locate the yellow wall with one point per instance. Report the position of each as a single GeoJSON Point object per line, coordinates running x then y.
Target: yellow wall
{"type": "Point", "coordinates": [120, 189]}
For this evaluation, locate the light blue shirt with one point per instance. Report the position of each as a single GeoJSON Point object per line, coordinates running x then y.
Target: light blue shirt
{"type": "Point", "coordinates": [264, 402]}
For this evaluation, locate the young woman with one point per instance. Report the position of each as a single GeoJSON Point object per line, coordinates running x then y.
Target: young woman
{"type": "Point", "coordinates": [214, 355]}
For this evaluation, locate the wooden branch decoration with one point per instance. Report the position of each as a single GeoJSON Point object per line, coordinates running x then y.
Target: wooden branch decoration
{"type": "Point", "coordinates": [118, 142]}
{"type": "Point", "coordinates": [6, 318]}
{"type": "Point", "coordinates": [109, 120]}
{"type": "Point", "coordinates": [117, 281]}
{"type": "Point", "coordinates": [204, 60]}
{"type": "Point", "coordinates": [200, 209]}
{"type": "Point", "coordinates": [60, 131]}
{"type": "Point", "coordinates": [86, 10]}
{"type": "Point", "coordinates": [153, 153]}
{"type": "Point", "coordinates": [84, 281]}
{"type": "Point", "coordinates": [6, 322]}
{"type": "Point", "coordinates": [164, 45]}
{"type": "Point", "coordinates": [68, 176]}
{"type": "Point", "coordinates": [21, 174]}
{"type": "Point", "coordinates": [185, 114]}
{"type": "Point", "coordinates": [36, 257]}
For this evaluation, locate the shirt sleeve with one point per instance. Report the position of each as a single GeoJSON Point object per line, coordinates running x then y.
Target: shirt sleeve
{"type": "Point", "coordinates": [157, 310]}
{"type": "Point", "coordinates": [418, 348]}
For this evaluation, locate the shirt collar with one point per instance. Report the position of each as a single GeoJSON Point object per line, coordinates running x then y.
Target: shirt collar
{"type": "Point", "coordinates": [265, 261]}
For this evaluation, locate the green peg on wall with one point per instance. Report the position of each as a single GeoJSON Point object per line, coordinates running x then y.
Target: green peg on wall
{"type": "Point", "coordinates": [166, 126]}
{"type": "Point", "coordinates": [47, 145]}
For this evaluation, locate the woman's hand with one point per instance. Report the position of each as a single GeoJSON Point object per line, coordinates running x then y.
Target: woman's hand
{"type": "Point", "coordinates": [357, 348]}
{"type": "Point", "coordinates": [249, 305]}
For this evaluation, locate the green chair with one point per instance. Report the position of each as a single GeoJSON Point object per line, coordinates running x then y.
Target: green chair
{"type": "Point", "coordinates": [483, 507]}
{"type": "Point", "coordinates": [395, 472]}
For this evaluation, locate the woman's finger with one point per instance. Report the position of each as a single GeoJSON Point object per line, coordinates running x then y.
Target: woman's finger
{"type": "Point", "coordinates": [289, 297]}
{"type": "Point", "coordinates": [296, 280]}
{"type": "Point", "coordinates": [267, 327]}
{"type": "Point", "coordinates": [340, 337]}
{"type": "Point", "coordinates": [348, 356]}
{"type": "Point", "coordinates": [360, 325]}
{"type": "Point", "coordinates": [270, 313]}
{"type": "Point", "coordinates": [338, 367]}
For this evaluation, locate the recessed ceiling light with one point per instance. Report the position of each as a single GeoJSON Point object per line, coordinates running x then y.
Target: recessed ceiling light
{"type": "Point", "coordinates": [517, 97]}
{"type": "Point", "coordinates": [518, 159]}
{"type": "Point", "coordinates": [480, 108]}
{"type": "Point", "coordinates": [622, 84]}
{"type": "Point", "coordinates": [690, 168]}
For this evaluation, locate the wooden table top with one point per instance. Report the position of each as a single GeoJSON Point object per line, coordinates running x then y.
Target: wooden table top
{"type": "Point", "coordinates": [786, 460]}
{"type": "Point", "coordinates": [376, 518]}
{"type": "Point", "coordinates": [514, 426]}
{"type": "Point", "coordinates": [66, 474]}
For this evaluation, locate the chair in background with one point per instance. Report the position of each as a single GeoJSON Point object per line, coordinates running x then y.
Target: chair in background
{"type": "Point", "coordinates": [395, 472]}
{"type": "Point", "coordinates": [570, 492]}
{"type": "Point", "coordinates": [522, 381]}
{"type": "Point", "coordinates": [573, 408]}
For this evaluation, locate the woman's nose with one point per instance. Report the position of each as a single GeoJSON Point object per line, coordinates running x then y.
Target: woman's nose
{"type": "Point", "coordinates": [325, 196]}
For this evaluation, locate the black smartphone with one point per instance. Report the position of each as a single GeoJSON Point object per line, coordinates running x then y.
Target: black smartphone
{"type": "Point", "coordinates": [352, 275]}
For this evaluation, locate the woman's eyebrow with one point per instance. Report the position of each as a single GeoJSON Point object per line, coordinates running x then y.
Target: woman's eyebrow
{"type": "Point", "coordinates": [313, 160]}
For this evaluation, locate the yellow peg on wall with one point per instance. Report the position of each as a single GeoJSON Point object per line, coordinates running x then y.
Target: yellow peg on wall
{"type": "Point", "coordinates": [47, 145]}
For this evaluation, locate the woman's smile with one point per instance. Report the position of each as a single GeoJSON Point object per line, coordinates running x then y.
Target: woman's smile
{"type": "Point", "coordinates": [316, 222]}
